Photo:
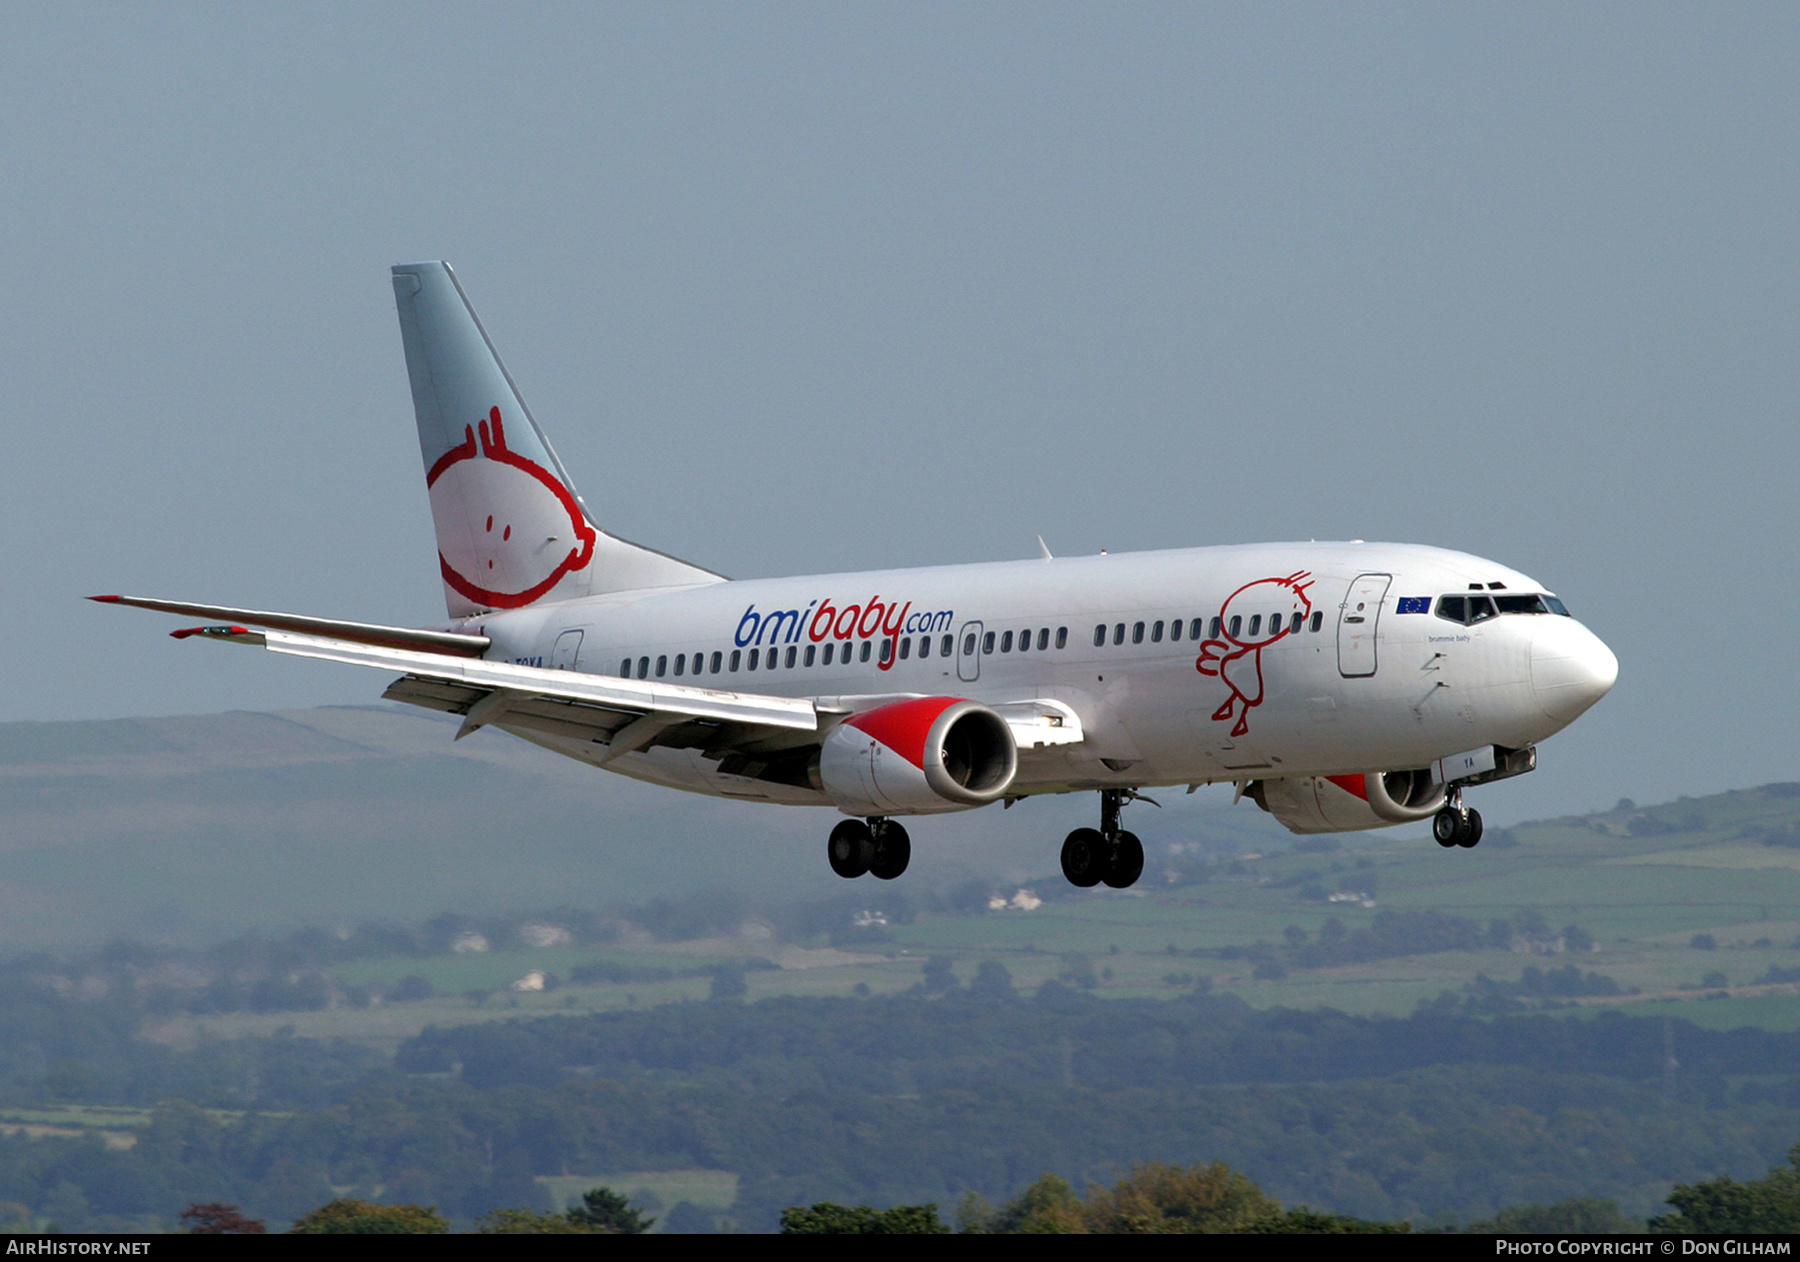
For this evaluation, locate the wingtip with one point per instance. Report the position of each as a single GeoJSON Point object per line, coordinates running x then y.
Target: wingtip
{"type": "Point", "coordinates": [109, 600]}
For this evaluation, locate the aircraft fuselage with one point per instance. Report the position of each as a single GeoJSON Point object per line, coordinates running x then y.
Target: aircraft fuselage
{"type": "Point", "coordinates": [1374, 678]}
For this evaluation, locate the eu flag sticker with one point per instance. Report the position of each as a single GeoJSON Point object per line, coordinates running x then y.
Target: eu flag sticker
{"type": "Point", "coordinates": [1414, 604]}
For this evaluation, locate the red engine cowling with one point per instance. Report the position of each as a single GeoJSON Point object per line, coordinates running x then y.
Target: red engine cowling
{"type": "Point", "coordinates": [913, 757]}
{"type": "Point", "coordinates": [1341, 804]}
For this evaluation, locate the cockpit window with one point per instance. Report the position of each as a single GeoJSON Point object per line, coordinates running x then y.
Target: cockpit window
{"type": "Point", "coordinates": [1471, 609]}
{"type": "Point", "coordinates": [1521, 604]}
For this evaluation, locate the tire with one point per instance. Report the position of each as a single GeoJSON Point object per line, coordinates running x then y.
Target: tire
{"type": "Point", "coordinates": [1084, 857]}
{"type": "Point", "coordinates": [1446, 827]}
{"type": "Point", "coordinates": [1472, 833]}
{"type": "Point", "coordinates": [892, 852]}
{"type": "Point", "coordinates": [1127, 862]}
{"type": "Point", "coordinates": [851, 848]}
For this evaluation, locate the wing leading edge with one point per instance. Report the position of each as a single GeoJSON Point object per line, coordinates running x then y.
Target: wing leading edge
{"type": "Point", "coordinates": [624, 714]}
{"type": "Point", "coordinates": [444, 642]}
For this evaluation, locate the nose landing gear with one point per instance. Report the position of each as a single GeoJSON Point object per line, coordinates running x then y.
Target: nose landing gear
{"type": "Point", "coordinates": [1109, 853]}
{"type": "Point", "coordinates": [879, 846]}
{"type": "Point", "coordinates": [1456, 824]}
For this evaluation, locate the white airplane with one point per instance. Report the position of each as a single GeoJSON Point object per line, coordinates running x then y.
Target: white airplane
{"type": "Point", "coordinates": [1338, 685]}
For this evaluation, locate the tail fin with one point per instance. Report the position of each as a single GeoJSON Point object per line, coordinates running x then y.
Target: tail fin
{"type": "Point", "coordinates": [511, 531]}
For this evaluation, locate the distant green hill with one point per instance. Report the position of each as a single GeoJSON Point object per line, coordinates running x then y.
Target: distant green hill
{"type": "Point", "coordinates": [197, 827]}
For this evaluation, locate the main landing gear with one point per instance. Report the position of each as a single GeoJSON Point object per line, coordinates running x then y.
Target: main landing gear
{"type": "Point", "coordinates": [1456, 824]}
{"type": "Point", "coordinates": [880, 846]}
{"type": "Point", "coordinates": [1109, 853]}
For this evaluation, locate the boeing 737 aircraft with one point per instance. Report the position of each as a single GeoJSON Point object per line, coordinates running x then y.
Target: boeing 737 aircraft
{"type": "Point", "coordinates": [1338, 685]}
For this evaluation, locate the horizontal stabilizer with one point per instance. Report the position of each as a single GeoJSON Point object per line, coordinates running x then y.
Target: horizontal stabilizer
{"type": "Point", "coordinates": [441, 642]}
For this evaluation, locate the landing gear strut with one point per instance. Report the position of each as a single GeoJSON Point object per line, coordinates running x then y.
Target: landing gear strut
{"type": "Point", "coordinates": [1456, 824]}
{"type": "Point", "coordinates": [880, 846]}
{"type": "Point", "coordinates": [1109, 853]}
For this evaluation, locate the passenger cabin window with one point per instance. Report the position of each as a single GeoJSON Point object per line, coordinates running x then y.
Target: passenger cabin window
{"type": "Point", "coordinates": [680, 661]}
{"type": "Point", "coordinates": [1119, 633]}
{"type": "Point", "coordinates": [1099, 635]}
{"type": "Point", "coordinates": [1255, 625]}
{"type": "Point", "coordinates": [719, 657]}
{"type": "Point", "coordinates": [887, 650]}
{"type": "Point", "coordinates": [1006, 642]}
{"type": "Point", "coordinates": [1043, 638]}
{"type": "Point", "coordinates": [1175, 629]}
{"type": "Point", "coordinates": [643, 668]}
{"type": "Point", "coordinates": [792, 653]}
{"type": "Point", "coordinates": [811, 653]}
{"type": "Point", "coordinates": [1062, 637]}
{"type": "Point", "coordinates": [945, 645]}
{"type": "Point", "coordinates": [737, 656]}
{"type": "Point", "coordinates": [1137, 633]}
{"type": "Point", "coordinates": [830, 650]}
{"type": "Point", "coordinates": [755, 655]}
{"type": "Point", "coordinates": [1215, 627]}
{"type": "Point", "coordinates": [1194, 628]}
{"type": "Point", "coordinates": [1237, 624]}
{"type": "Point", "coordinates": [1156, 630]}
{"type": "Point", "coordinates": [987, 644]}
{"type": "Point", "coordinates": [662, 664]}
{"type": "Point", "coordinates": [906, 648]}
{"type": "Point", "coordinates": [867, 646]}
{"type": "Point", "coordinates": [1318, 619]}
{"type": "Point", "coordinates": [969, 645]}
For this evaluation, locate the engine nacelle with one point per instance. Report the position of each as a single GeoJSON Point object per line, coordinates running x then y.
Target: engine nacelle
{"type": "Point", "coordinates": [1341, 804]}
{"type": "Point", "coordinates": [913, 757]}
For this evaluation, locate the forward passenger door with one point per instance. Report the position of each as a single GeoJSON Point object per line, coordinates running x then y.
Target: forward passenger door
{"type": "Point", "coordinates": [1359, 619]}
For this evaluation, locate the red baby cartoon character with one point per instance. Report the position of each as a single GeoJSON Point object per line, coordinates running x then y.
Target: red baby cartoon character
{"type": "Point", "coordinates": [1252, 618]}
{"type": "Point", "coordinates": [508, 529]}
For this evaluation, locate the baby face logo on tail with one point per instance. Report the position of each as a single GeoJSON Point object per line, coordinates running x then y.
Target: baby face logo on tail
{"type": "Point", "coordinates": [1252, 618]}
{"type": "Point", "coordinates": [508, 530]}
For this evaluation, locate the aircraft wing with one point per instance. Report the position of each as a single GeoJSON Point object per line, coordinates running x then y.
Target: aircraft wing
{"type": "Point", "coordinates": [623, 714]}
{"type": "Point", "coordinates": [451, 642]}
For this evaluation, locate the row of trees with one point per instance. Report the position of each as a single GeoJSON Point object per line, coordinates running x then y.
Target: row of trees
{"type": "Point", "coordinates": [1153, 1199]}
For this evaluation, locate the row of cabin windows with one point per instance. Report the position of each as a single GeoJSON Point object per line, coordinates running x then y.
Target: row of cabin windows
{"type": "Point", "coordinates": [1469, 609]}
{"type": "Point", "coordinates": [924, 646]}
{"type": "Point", "coordinates": [774, 656]}
{"type": "Point", "coordinates": [1234, 627]}
{"type": "Point", "coordinates": [1022, 642]}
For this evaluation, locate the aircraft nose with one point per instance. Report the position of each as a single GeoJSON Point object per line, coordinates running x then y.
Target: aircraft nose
{"type": "Point", "coordinates": [1571, 668]}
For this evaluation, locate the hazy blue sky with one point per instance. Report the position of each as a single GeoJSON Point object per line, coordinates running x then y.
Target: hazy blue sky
{"type": "Point", "coordinates": [821, 287]}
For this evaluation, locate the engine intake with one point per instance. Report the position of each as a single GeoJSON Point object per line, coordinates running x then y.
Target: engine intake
{"type": "Point", "coordinates": [918, 756]}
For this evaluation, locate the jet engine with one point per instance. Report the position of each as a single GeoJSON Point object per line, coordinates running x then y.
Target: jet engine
{"type": "Point", "coordinates": [1341, 804]}
{"type": "Point", "coordinates": [917, 756]}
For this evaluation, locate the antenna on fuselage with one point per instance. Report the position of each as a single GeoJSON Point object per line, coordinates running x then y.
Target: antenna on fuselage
{"type": "Point", "coordinates": [1044, 549]}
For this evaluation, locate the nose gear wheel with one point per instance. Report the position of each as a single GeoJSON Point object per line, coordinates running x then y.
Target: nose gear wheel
{"type": "Point", "coordinates": [1456, 826]}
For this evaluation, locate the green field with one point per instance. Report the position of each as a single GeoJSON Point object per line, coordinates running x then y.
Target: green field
{"type": "Point", "coordinates": [1641, 882]}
